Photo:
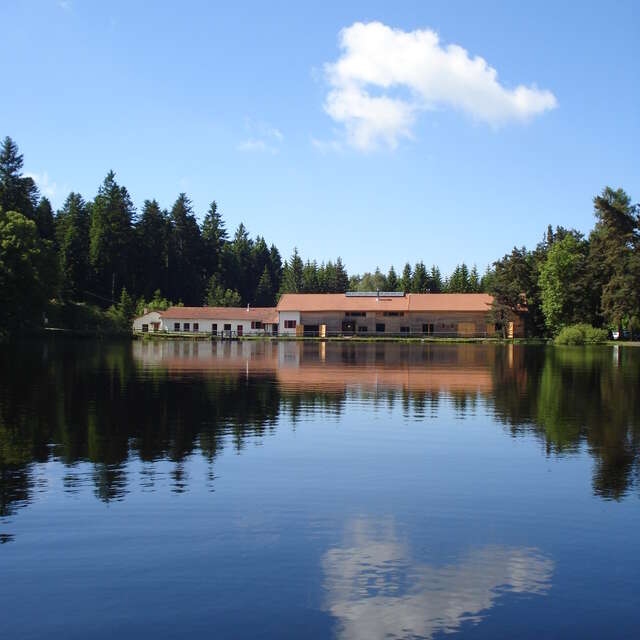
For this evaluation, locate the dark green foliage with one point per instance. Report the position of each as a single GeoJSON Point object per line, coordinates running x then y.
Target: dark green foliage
{"type": "Point", "coordinates": [96, 250]}
{"type": "Point", "coordinates": [392, 280]}
{"type": "Point", "coordinates": [17, 192]}
{"type": "Point", "coordinates": [185, 253]}
{"type": "Point", "coordinates": [406, 282]}
{"type": "Point", "coordinates": [218, 296]}
{"type": "Point", "coordinates": [111, 236]}
{"type": "Point", "coordinates": [27, 272]}
{"type": "Point", "coordinates": [72, 234]}
{"type": "Point", "coordinates": [151, 257]}
{"type": "Point", "coordinates": [420, 281]}
{"type": "Point", "coordinates": [264, 292]}
{"type": "Point", "coordinates": [43, 218]}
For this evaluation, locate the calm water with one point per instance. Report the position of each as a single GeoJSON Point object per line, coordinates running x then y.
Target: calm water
{"type": "Point", "coordinates": [257, 490]}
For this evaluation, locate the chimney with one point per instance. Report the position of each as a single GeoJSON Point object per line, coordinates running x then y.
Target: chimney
{"type": "Point", "coordinates": [247, 307]}
{"type": "Point", "coordinates": [145, 311]}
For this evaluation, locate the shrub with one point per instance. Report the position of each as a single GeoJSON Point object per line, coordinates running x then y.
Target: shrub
{"type": "Point", "coordinates": [578, 334]}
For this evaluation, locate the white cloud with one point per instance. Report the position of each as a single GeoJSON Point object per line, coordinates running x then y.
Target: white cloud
{"type": "Point", "coordinates": [65, 5]}
{"type": "Point", "coordinates": [378, 62]}
{"type": "Point", "coordinates": [263, 137]}
{"type": "Point", "coordinates": [45, 185]}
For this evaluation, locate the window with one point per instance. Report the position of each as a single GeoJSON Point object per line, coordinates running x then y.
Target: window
{"type": "Point", "coordinates": [214, 329]}
{"type": "Point", "coordinates": [404, 329]}
{"type": "Point", "coordinates": [289, 324]}
{"type": "Point", "coordinates": [380, 327]}
{"type": "Point", "coordinates": [393, 314]}
{"type": "Point", "coordinates": [227, 327]}
{"type": "Point", "coordinates": [363, 329]}
{"type": "Point", "coordinates": [256, 324]}
{"type": "Point", "coordinates": [176, 326]}
{"type": "Point", "coordinates": [145, 328]}
{"type": "Point", "coordinates": [186, 326]}
{"type": "Point", "coordinates": [355, 314]}
{"type": "Point", "coordinates": [196, 327]}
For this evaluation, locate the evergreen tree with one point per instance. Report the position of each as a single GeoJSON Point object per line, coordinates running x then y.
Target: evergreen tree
{"type": "Point", "coordinates": [392, 280]}
{"type": "Point", "coordinates": [214, 236]}
{"type": "Point", "coordinates": [613, 257]}
{"type": "Point", "coordinates": [275, 268]}
{"type": "Point", "coordinates": [264, 291]}
{"type": "Point", "coordinates": [17, 192]}
{"type": "Point", "coordinates": [185, 253]}
{"type": "Point", "coordinates": [420, 282]}
{"type": "Point", "coordinates": [43, 218]}
{"type": "Point", "coordinates": [111, 236]}
{"type": "Point", "coordinates": [292, 274]}
{"type": "Point", "coordinates": [474, 280]}
{"type": "Point", "coordinates": [72, 232]}
{"type": "Point", "coordinates": [242, 278]}
{"type": "Point", "coordinates": [310, 277]}
{"type": "Point", "coordinates": [260, 260]}
{"type": "Point", "coordinates": [406, 281]}
{"type": "Point", "coordinates": [435, 281]}
{"type": "Point", "coordinates": [152, 232]}
{"type": "Point", "coordinates": [342, 277]}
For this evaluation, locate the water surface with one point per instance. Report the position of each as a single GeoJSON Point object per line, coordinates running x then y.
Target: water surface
{"type": "Point", "coordinates": [318, 490]}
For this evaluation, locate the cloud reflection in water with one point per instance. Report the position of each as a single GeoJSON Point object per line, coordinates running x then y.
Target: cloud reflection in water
{"type": "Point", "coordinates": [377, 590]}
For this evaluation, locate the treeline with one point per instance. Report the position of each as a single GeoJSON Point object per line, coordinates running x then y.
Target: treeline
{"type": "Point", "coordinates": [569, 278]}
{"type": "Point", "coordinates": [104, 252]}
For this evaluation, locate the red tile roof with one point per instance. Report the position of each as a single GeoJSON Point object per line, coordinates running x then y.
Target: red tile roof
{"type": "Point", "coordinates": [457, 302]}
{"type": "Point", "coordinates": [263, 314]}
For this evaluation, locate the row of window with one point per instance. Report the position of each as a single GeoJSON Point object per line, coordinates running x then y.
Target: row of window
{"type": "Point", "coordinates": [186, 326]}
{"type": "Point", "coordinates": [290, 324]}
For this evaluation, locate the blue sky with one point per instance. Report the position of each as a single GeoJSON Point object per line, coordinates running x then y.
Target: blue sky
{"type": "Point", "coordinates": [374, 141]}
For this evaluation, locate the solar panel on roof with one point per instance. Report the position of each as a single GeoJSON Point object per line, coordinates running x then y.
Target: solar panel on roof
{"type": "Point", "coordinates": [374, 294]}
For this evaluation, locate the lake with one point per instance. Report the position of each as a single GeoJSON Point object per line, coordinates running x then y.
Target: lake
{"type": "Point", "coordinates": [318, 490]}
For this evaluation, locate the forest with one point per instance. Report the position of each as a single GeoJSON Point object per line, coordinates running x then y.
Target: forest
{"type": "Point", "coordinates": [97, 261]}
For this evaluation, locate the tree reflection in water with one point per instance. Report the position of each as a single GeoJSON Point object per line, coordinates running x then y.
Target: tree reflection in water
{"type": "Point", "coordinates": [79, 401]}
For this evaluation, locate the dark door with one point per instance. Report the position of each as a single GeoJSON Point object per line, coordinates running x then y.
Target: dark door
{"type": "Point", "coordinates": [239, 329]}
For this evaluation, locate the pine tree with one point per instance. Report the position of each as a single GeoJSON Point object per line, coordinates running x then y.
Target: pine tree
{"type": "Point", "coordinates": [43, 218]}
{"type": "Point", "coordinates": [435, 281]}
{"type": "Point", "coordinates": [310, 277]}
{"type": "Point", "coordinates": [264, 291]}
{"type": "Point", "coordinates": [406, 281]}
{"type": "Point", "coordinates": [152, 249]}
{"type": "Point", "coordinates": [111, 236]}
{"type": "Point", "coordinates": [275, 267]}
{"type": "Point", "coordinates": [185, 258]}
{"type": "Point", "coordinates": [72, 232]}
{"type": "Point", "coordinates": [292, 274]}
{"type": "Point", "coordinates": [392, 280]}
{"type": "Point", "coordinates": [214, 236]}
{"type": "Point", "coordinates": [420, 281]}
{"type": "Point", "coordinates": [342, 277]}
{"type": "Point", "coordinates": [474, 280]}
{"type": "Point", "coordinates": [17, 192]}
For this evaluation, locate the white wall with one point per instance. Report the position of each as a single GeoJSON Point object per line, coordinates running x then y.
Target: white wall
{"type": "Point", "coordinates": [147, 318]}
{"type": "Point", "coordinates": [288, 315]}
{"type": "Point", "coordinates": [204, 326]}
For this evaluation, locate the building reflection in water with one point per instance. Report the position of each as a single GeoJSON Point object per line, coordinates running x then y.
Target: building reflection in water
{"type": "Point", "coordinates": [375, 588]}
